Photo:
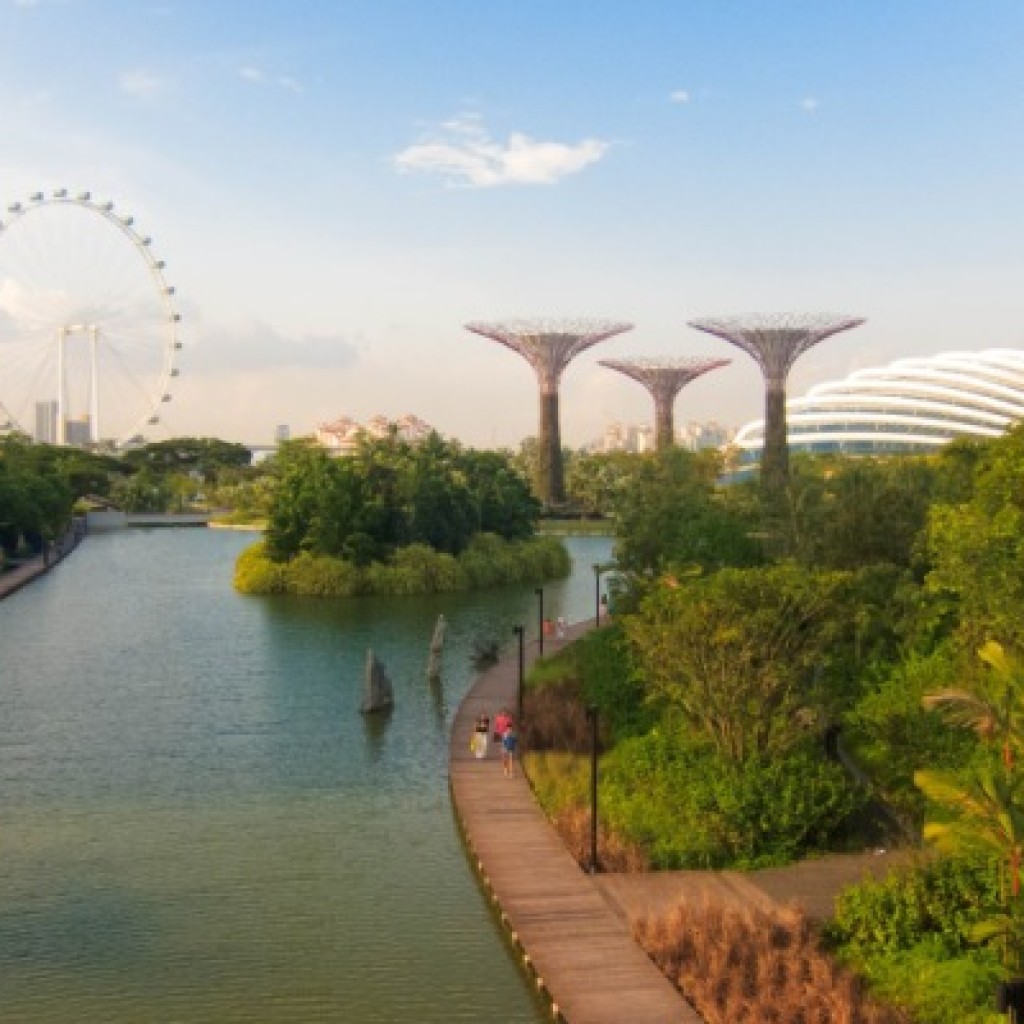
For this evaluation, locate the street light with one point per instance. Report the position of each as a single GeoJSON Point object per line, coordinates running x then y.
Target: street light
{"type": "Point", "coordinates": [520, 631]}
{"type": "Point", "coordinates": [540, 620]}
{"type": "Point", "coordinates": [592, 718]}
{"type": "Point", "coordinates": [598, 569]}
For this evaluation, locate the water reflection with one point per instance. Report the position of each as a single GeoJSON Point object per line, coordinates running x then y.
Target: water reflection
{"type": "Point", "coordinates": [199, 825]}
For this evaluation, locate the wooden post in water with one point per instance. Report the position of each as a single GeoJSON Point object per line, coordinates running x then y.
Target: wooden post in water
{"type": "Point", "coordinates": [436, 647]}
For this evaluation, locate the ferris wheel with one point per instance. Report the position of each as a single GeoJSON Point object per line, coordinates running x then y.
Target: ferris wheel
{"type": "Point", "coordinates": [88, 328]}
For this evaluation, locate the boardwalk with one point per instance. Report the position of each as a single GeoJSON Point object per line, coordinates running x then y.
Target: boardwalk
{"type": "Point", "coordinates": [575, 943]}
{"type": "Point", "coordinates": [14, 579]}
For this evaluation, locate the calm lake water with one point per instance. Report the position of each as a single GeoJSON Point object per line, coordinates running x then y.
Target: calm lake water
{"type": "Point", "coordinates": [196, 823]}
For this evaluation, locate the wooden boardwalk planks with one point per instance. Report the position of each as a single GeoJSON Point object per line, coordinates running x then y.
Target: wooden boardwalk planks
{"type": "Point", "coordinates": [578, 947]}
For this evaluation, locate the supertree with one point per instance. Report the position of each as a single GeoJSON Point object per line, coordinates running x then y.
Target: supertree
{"type": "Point", "coordinates": [664, 379]}
{"type": "Point", "coordinates": [776, 341]}
{"type": "Point", "coordinates": [549, 346]}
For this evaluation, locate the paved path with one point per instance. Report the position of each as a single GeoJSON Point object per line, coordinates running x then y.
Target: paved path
{"type": "Point", "coordinates": [811, 885]}
{"type": "Point", "coordinates": [575, 943]}
{"type": "Point", "coordinates": [32, 568]}
{"type": "Point", "coordinates": [14, 579]}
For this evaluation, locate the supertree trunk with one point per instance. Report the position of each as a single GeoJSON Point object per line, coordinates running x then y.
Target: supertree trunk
{"type": "Point", "coordinates": [664, 424]}
{"type": "Point", "coordinates": [775, 455]}
{"type": "Point", "coordinates": [550, 481]}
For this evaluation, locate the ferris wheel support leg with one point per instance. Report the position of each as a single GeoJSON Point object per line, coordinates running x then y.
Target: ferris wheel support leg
{"type": "Point", "coordinates": [62, 337]}
{"type": "Point", "coordinates": [94, 412]}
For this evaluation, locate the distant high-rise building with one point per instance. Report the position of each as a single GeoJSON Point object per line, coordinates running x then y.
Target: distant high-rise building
{"type": "Point", "coordinates": [282, 432]}
{"type": "Point", "coordinates": [78, 432]}
{"type": "Point", "coordinates": [46, 422]}
{"type": "Point", "coordinates": [695, 436]}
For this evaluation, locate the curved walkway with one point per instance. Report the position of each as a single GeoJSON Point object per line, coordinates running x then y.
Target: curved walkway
{"type": "Point", "coordinates": [573, 940]}
{"type": "Point", "coordinates": [25, 572]}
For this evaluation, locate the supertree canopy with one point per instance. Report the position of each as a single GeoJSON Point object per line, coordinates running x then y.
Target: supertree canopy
{"type": "Point", "coordinates": [549, 345]}
{"type": "Point", "coordinates": [664, 379]}
{"type": "Point", "coordinates": [776, 341]}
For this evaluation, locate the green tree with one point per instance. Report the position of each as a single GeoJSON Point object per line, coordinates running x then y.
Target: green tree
{"type": "Point", "coordinates": [976, 547]}
{"type": "Point", "coordinates": [739, 654]}
{"type": "Point", "coordinates": [670, 513]}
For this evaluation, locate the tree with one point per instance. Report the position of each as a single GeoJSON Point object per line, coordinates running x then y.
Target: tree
{"type": "Point", "coordinates": [976, 547]}
{"type": "Point", "coordinates": [739, 654]}
{"type": "Point", "coordinates": [670, 513]}
{"type": "Point", "coordinates": [984, 812]}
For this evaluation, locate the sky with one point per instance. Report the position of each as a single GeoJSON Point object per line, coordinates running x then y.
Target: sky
{"type": "Point", "coordinates": [338, 187]}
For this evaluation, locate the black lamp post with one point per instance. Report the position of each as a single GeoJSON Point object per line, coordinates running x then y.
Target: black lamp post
{"type": "Point", "coordinates": [592, 718]}
{"type": "Point", "coordinates": [520, 631]}
{"type": "Point", "coordinates": [1010, 998]}
{"type": "Point", "coordinates": [540, 620]}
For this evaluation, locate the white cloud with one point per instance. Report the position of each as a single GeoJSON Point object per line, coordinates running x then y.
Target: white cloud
{"type": "Point", "coordinates": [140, 83]}
{"type": "Point", "coordinates": [464, 154]}
{"type": "Point", "coordinates": [257, 346]}
{"type": "Point", "coordinates": [258, 76]}
{"type": "Point", "coordinates": [810, 104]}
{"type": "Point", "coordinates": [679, 96]}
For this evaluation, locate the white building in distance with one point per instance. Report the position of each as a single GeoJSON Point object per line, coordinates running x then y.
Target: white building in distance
{"type": "Point", "coordinates": [342, 436]}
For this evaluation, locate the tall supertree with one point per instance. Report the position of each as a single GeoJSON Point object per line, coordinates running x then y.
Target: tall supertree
{"type": "Point", "coordinates": [776, 341]}
{"type": "Point", "coordinates": [664, 379]}
{"type": "Point", "coordinates": [549, 346]}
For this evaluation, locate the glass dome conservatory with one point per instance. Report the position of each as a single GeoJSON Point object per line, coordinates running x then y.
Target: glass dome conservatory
{"type": "Point", "coordinates": [909, 406]}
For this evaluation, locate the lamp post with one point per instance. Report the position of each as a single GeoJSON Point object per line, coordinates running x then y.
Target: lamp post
{"type": "Point", "coordinates": [520, 631]}
{"type": "Point", "coordinates": [540, 620]}
{"type": "Point", "coordinates": [592, 718]}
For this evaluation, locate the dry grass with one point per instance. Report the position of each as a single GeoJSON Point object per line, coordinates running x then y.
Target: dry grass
{"type": "Point", "coordinates": [554, 719]}
{"type": "Point", "coordinates": [613, 852]}
{"type": "Point", "coordinates": [755, 967]}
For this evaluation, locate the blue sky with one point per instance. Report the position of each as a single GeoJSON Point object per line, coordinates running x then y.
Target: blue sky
{"type": "Point", "coordinates": [337, 187]}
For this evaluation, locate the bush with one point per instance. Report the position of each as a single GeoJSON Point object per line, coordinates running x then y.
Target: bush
{"type": "Point", "coordinates": [595, 670]}
{"type": "Point", "coordinates": [938, 900]}
{"type": "Point", "coordinates": [690, 807]}
{"type": "Point", "coordinates": [891, 735]}
{"type": "Point", "coordinates": [255, 573]}
{"type": "Point", "coordinates": [907, 934]}
{"type": "Point", "coordinates": [415, 569]}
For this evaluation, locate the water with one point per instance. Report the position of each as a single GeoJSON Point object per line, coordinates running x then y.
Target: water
{"type": "Point", "coordinates": [196, 823]}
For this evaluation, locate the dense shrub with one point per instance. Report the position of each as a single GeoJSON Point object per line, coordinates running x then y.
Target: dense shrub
{"type": "Point", "coordinates": [594, 670]}
{"type": "Point", "coordinates": [907, 933]}
{"type": "Point", "coordinates": [415, 569]}
{"type": "Point", "coordinates": [891, 735]}
{"type": "Point", "coordinates": [690, 807]}
{"type": "Point", "coordinates": [941, 897]}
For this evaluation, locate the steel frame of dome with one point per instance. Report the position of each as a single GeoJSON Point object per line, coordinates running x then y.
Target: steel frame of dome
{"type": "Point", "coordinates": [911, 405]}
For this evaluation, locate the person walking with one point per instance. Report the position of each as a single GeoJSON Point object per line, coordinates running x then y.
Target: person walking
{"type": "Point", "coordinates": [502, 720]}
{"type": "Point", "coordinates": [508, 750]}
{"type": "Point", "coordinates": [478, 744]}
{"type": "Point", "coordinates": [560, 627]}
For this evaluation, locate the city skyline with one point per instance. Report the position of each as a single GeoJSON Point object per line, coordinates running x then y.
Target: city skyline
{"type": "Point", "coordinates": [337, 189]}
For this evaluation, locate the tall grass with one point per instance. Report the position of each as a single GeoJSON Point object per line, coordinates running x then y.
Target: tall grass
{"type": "Point", "coordinates": [756, 967]}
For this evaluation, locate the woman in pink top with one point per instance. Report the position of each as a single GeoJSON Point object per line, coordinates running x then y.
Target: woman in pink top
{"type": "Point", "coordinates": [502, 721]}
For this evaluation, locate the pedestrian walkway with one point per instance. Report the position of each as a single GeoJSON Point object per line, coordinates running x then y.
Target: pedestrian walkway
{"type": "Point", "coordinates": [577, 946]}
{"type": "Point", "coordinates": [14, 579]}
